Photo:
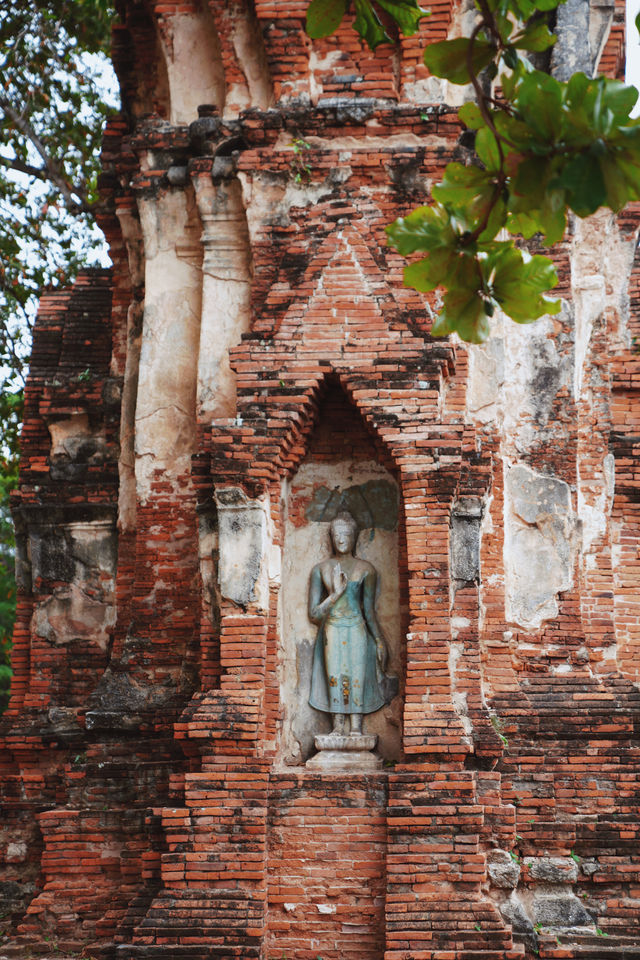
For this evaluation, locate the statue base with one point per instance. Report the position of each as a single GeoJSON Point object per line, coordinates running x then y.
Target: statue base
{"type": "Point", "coordinates": [352, 753]}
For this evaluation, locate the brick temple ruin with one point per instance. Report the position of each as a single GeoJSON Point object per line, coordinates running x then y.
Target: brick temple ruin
{"type": "Point", "coordinates": [194, 419]}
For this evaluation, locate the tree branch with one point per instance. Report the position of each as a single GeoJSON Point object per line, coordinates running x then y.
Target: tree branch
{"type": "Point", "coordinates": [53, 170]}
{"type": "Point", "coordinates": [479, 92]}
{"type": "Point", "coordinates": [14, 164]}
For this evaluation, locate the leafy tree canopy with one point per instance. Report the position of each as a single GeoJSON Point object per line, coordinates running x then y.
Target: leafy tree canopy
{"type": "Point", "coordinates": [11, 417]}
{"type": "Point", "coordinates": [543, 148]}
{"type": "Point", "coordinates": [54, 97]}
{"type": "Point", "coordinates": [52, 112]}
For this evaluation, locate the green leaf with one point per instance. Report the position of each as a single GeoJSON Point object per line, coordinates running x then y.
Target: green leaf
{"type": "Point", "coordinates": [471, 116]}
{"type": "Point", "coordinates": [528, 224]}
{"type": "Point", "coordinates": [538, 99]}
{"type": "Point", "coordinates": [472, 193]}
{"type": "Point", "coordinates": [463, 312]}
{"type": "Point", "coordinates": [523, 9]}
{"type": "Point", "coordinates": [462, 185]}
{"type": "Point", "coordinates": [510, 58]}
{"type": "Point", "coordinates": [618, 190]}
{"type": "Point", "coordinates": [578, 86]}
{"type": "Point", "coordinates": [406, 13]}
{"type": "Point", "coordinates": [487, 149]}
{"type": "Point", "coordinates": [324, 17]}
{"type": "Point", "coordinates": [368, 25]}
{"type": "Point", "coordinates": [637, 22]}
{"type": "Point", "coordinates": [426, 228]}
{"type": "Point", "coordinates": [583, 180]}
{"type": "Point", "coordinates": [496, 221]}
{"type": "Point", "coordinates": [535, 37]}
{"type": "Point", "coordinates": [448, 58]}
{"type": "Point", "coordinates": [629, 164]}
{"type": "Point", "coordinates": [620, 99]}
{"type": "Point", "coordinates": [535, 206]}
{"type": "Point", "coordinates": [430, 272]}
{"type": "Point", "coordinates": [510, 81]}
{"type": "Point", "coordinates": [518, 282]}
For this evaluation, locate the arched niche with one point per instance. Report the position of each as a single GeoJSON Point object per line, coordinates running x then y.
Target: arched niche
{"type": "Point", "coordinates": [344, 468]}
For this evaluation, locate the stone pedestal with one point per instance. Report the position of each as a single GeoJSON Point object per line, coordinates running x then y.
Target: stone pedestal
{"type": "Point", "coordinates": [339, 752]}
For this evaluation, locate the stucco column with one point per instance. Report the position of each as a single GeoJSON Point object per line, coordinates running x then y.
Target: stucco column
{"type": "Point", "coordinates": [225, 286]}
{"type": "Point", "coordinates": [165, 409]}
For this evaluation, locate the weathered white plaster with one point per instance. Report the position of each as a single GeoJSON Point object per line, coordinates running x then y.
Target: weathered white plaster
{"type": "Point", "coordinates": [350, 145]}
{"type": "Point", "coordinates": [226, 288]}
{"type": "Point", "coordinates": [542, 536]}
{"type": "Point", "coordinates": [275, 565]}
{"type": "Point", "coordinates": [486, 378]}
{"type": "Point", "coordinates": [514, 379]}
{"type": "Point", "coordinates": [194, 66]}
{"type": "Point", "coordinates": [16, 852]}
{"type": "Point", "coordinates": [562, 668]}
{"type": "Point", "coordinates": [464, 541]}
{"type": "Point", "coordinates": [320, 63]}
{"type": "Point", "coordinates": [601, 263]}
{"type": "Point", "coordinates": [133, 241]}
{"type": "Point", "coordinates": [94, 536]}
{"type": "Point", "coordinates": [249, 49]}
{"type": "Point", "coordinates": [561, 910]}
{"type": "Point", "coordinates": [503, 870]}
{"type": "Point", "coordinates": [70, 614]}
{"type": "Point", "coordinates": [326, 908]}
{"type": "Point", "coordinates": [600, 23]}
{"type": "Point", "coordinates": [458, 624]}
{"type": "Point", "coordinates": [589, 300]}
{"type": "Point", "coordinates": [307, 543]}
{"type": "Point", "coordinates": [244, 544]}
{"type": "Point", "coordinates": [535, 370]}
{"type": "Point", "coordinates": [68, 434]}
{"type": "Point", "coordinates": [459, 697]}
{"type": "Point", "coordinates": [268, 199]}
{"type": "Point", "coordinates": [595, 502]}
{"type": "Point", "coordinates": [513, 909]}
{"type": "Point", "coordinates": [165, 407]}
{"type": "Point", "coordinates": [435, 89]}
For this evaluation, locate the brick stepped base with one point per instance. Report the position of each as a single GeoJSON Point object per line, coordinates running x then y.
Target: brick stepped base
{"type": "Point", "coordinates": [589, 947]}
{"type": "Point", "coordinates": [615, 844]}
{"type": "Point", "coordinates": [517, 953]}
{"type": "Point", "coordinates": [22, 948]}
{"type": "Point", "coordinates": [585, 706]}
{"type": "Point", "coordinates": [455, 924]}
{"type": "Point", "coordinates": [204, 918]}
{"type": "Point", "coordinates": [198, 952]}
{"type": "Point", "coordinates": [136, 912]}
{"type": "Point", "coordinates": [100, 878]}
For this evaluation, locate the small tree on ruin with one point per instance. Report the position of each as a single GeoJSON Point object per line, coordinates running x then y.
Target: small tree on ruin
{"type": "Point", "coordinates": [544, 148]}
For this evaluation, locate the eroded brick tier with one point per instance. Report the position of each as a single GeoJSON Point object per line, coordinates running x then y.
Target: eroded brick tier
{"type": "Point", "coordinates": [155, 803]}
